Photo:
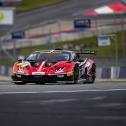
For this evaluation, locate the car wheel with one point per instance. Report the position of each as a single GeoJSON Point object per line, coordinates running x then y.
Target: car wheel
{"type": "Point", "coordinates": [76, 74]}
{"type": "Point", "coordinates": [19, 83]}
{"type": "Point", "coordinates": [40, 83]}
{"type": "Point", "coordinates": [92, 78]}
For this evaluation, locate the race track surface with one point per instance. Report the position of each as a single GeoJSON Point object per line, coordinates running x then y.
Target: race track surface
{"type": "Point", "coordinates": [100, 104]}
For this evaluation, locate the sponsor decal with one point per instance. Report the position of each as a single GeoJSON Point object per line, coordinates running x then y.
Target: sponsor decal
{"type": "Point", "coordinates": [38, 73]}
{"type": "Point", "coordinates": [60, 70]}
{"type": "Point", "coordinates": [23, 64]}
{"type": "Point", "coordinates": [71, 73]}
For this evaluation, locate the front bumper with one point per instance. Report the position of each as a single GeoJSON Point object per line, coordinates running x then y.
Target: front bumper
{"type": "Point", "coordinates": [42, 78]}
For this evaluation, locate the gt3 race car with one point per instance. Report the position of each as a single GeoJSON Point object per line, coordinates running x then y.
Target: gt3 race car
{"type": "Point", "coordinates": [51, 66]}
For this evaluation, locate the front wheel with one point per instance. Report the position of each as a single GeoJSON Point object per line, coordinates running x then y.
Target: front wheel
{"type": "Point", "coordinates": [40, 83]}
{"type": "Point", "coordinates": [76, 74]}
{"type": "Point", "coordinates": [19, 83]}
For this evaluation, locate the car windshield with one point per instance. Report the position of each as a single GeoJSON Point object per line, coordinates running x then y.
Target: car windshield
{"type": "Point", "coordinates": [49, 56]}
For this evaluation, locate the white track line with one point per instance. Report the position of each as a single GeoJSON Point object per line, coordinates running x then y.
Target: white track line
{"type": "Point", "coordinates": [74, 91]}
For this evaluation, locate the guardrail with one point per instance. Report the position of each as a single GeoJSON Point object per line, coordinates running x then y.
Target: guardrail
{"type": "Point", "coordinates": [101, 73]}
{"type": "Point", "coordinates": [59, 37]}
{"type": "Point", "coordinates": [111, 73]}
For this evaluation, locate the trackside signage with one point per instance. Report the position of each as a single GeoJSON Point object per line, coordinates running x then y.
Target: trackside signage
{"type": "Point", "coordinates": [104, 41]}
{"type": "Point", "coordinates": [18, 35]}
{"type": "Point", "coordinates": [82, 23]}
{"type": "Point", "coordinates": [6, 16]}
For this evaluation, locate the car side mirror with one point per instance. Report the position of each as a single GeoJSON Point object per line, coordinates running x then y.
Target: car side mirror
{"type": "Point", "coordinates": [21, 58]}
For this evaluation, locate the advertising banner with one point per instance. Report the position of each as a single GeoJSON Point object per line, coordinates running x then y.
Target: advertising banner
{"type": "Point", "coordinates": [6, 16]}
{"type": "Point", "coordinates": [18, 35]}
{"type": "Point", "coordinates": [82, 23]}
{"type": "Point", "coordinates": [104, 41]}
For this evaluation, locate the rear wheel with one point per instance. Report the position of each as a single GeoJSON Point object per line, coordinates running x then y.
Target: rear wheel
{"type": "Point", "coordinates": [40, 83]}
{"type": "Point", "coordinates": [91, 79]}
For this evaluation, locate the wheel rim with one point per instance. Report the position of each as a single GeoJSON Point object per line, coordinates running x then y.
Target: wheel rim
{"type": "Point", "coordinates": [76, 73]}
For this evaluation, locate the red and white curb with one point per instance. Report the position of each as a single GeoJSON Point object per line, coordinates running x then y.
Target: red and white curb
{"type": "Point", "coordinates": [112, 8]}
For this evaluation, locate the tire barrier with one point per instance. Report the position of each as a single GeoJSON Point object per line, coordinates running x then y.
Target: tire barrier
{"type": "Point", "coordinates": [101, 73]}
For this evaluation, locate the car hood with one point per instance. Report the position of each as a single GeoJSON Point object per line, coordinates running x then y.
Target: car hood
{"type": "Point", "coordinates": [45, 68]}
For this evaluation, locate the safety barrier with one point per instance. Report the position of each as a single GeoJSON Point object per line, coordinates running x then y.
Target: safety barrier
{"type": "Point", "coordinates": [5, 70]}
{"type": "Point", "coordinates": [101, 73]}
{"type": "Point", "coordinates": [111, 73]}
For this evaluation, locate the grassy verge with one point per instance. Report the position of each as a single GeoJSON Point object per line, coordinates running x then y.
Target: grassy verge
{"type": "Point", "coordinates": [6, 62]}
{"type": "Point", "coordinates": [33, 4]}
{"type": "Point", "coordinates": [88, 43]}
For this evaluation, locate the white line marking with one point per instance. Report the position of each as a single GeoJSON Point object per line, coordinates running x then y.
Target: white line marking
{"type": "Point", "coordinates": [97, 98]}
{"type": "Point", "coordinates": [74, 91]}
{"type": "Point", "coordinates": [50, 101]}
{"type": "Point", "coordinates": [107, 118]}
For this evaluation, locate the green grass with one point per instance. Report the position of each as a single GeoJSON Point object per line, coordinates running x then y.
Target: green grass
{"type": "Point", "coordinates": [90, 43]}
{"type": "Point", "coordinates": [33, 4]}
{"type": "Point", "coordinates": [6, 62]}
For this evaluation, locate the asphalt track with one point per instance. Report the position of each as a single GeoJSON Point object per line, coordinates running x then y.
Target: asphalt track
{"type": "Point", "coordinates": [61, 11]}
{"type": "Point", "coordinates": [100, 104]}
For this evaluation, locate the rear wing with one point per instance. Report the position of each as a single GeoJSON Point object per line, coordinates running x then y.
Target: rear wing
{"type": "Point", "coordinates": [86, 52]}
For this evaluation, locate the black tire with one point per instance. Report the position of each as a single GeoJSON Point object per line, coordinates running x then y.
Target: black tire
{"type": "Point", "coordinates": [90, 80]}
{"type": "Point", "coordinates": [76, 74]}
{"type": "Point", "coordinates": [94, 68]}
{"type": "Point", "coordinates": [94, 71]}
{"type": "Point", "coordinates": [40, 83]}
{"type": "Point", "coordinates": [19, 83]}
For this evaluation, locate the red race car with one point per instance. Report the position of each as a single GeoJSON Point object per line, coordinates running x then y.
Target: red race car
{"type": "Point", "coordinates": [51, 66]}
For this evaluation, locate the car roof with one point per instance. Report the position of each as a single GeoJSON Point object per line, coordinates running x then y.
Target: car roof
{"type": "Point", "coordinates": [54, 51]}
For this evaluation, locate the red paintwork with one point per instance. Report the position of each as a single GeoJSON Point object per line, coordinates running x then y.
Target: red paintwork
{"type": "Point", "coordinates": [67, 66]}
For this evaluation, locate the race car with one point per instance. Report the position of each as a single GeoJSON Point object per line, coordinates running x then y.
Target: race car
{"type": "Point", "coordinates": [52, 66]}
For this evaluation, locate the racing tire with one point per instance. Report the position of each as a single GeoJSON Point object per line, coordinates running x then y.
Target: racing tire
{"type": "Point", "coordinates": [19, 83]}
{"type": "Point", "coordinates": [91, 80]}
{"type": "Point", "coordinates": [40, 83]}
{"type": "Point", "coordinates": [76, 74]}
